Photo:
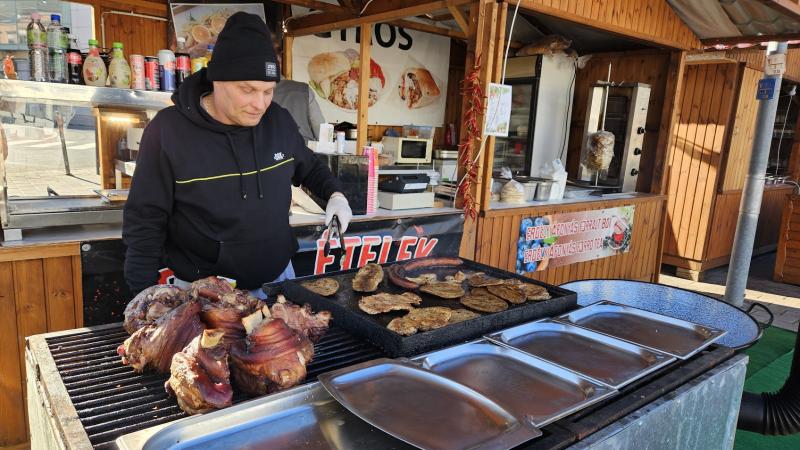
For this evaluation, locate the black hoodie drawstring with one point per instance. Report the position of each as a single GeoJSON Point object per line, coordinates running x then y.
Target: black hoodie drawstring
{"type": "Point", "coordinates": [258, 166]}
{"type": "Point", "coordinates": [238, 165]}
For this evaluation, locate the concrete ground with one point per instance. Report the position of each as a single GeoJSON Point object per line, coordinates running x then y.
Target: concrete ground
{"type": "Point", "coordinates": [782, 299]}
{"type": "Point", "coordinates": [35, 161]}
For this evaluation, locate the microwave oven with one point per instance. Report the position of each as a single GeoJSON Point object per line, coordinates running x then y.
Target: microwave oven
{"type": "Point", "coordinates": [407, 150]}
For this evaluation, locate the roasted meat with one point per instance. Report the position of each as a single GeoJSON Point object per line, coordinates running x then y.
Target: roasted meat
{"type": "Point", "coordinates": [154, 345]}
{"type": "Point", "coordinates": [150, 304]}
{"type": "Point", "coordinates": [368, 278]}
{"type": "Point", "coordinates": [226, 318]}
{"type": "Point", "coordinates": [199, 375]}
{"type": "Point", "coordinates": [444, 289]}
{"type": "Point", "coordinates": [272, 357]}
{"type": "Point", "coordinates": [210, 287]}
{"type": "Point", "coordinates": [301, 319]}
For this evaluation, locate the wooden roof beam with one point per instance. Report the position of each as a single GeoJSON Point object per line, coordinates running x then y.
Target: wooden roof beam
{"type": "Point", "coordinates": [316, 4]}
{"type": "Point", "coordinates": [383, 11]}
{"type": "Point", "coordinates": [734, 40]}
{"type": "Point", "coordinates": [789, 7]}
{"type": "Point", "coordinates": [459, 18]}
{"type": "Point", "coordinates": [433, 29]}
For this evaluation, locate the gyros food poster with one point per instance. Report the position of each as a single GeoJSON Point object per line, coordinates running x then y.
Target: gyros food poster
{"type": "Point", "coordinates": [557, 240]}
{"type": "Point", "coordinates": [408, 74]}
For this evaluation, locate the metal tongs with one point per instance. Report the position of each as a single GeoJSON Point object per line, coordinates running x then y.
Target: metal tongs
{"type": "Point", "coordinates": [334, 232]}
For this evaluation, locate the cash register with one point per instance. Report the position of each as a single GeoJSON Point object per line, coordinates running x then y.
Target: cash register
{"type": "Point", "coordinates": [404, 184]}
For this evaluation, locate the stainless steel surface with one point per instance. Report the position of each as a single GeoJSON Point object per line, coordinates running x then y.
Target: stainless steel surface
{"type": "Point", "coordinates": [424, 409]}
{"type": "Point", "coordinates": [304, 417]}
{"type": "Point", "coordinates": [701, 414]}
{"type": "Point", "coordinates": [83, 95]}
{"type": "Point", "coordinates": [602, 358]}
{"type": "Point", "coordinates": [445, 154]}
{"type": "Point", "coordinates": [672, 336]}
{"type": "Point", "coordinates": [543, 190]}
{"type": "Point", "coordinates": [524, 385]}
{"type": "Point", "coordinates": [41, 220]}
{"type": "Point", "coordinates": [753, 191]}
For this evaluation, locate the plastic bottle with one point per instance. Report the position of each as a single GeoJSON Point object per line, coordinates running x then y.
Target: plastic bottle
{"type": "Point", "coordinates": [74, 62]}
{"type": "Point", "coordinates": [119, 72]}
{"type": "Point", "coordinates": [94, 70]}
{"type": "Point", "coordinates": [183, 63]}
{"type": "Point", "coordinates": [209, 51]}
{"type": "Point", "coordinates": [58, 57]}
{"type": "Point", "coordinates": [37, 48]}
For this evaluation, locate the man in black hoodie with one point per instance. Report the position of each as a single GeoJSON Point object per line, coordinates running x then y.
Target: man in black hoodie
{"type": "Point", "coordinates": [212, 191]}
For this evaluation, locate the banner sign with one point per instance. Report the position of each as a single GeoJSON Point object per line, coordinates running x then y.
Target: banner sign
{"type": "Point", "coordinates": [562, 239]}
{"type": "Point", "coordinates": [408, 74]}
{"type": "Point", "coordinates": [377, 241]}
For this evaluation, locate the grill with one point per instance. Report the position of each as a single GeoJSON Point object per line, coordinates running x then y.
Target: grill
{"type": "Point", "coordinates": [112, 400]}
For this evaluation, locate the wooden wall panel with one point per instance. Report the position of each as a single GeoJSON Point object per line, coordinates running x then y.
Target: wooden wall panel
{"type": "Point", "coordinates": [497, 245]}
{"type": "Point", "coordinates": [648, 20]}
{"type": "Point", "coordinates": [737, 158]}
{"type": "Point", "coordinates": [138, 35]}
{"type": "Point", "coordinates": [754, 58]}
{"type": "Point", "coordinates": [650, 67]}
{"type": "Point", "coordinates": [695, 157]}
{"type": "Point", "coordinates": [12, 401]}
{"type": "Point", "coordinates": [726, 214]}
{"type": "Point", "coordinates": [37, 295]}
{"type": "Point", "coordinates": [787, 263]}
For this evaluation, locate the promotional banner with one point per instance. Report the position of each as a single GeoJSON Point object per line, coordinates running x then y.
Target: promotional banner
{"type": "Point", "coordinates": [377, 241]}
{"type": "Point", "coordinates": [561, 239]}
{"type": "Point", "coordinates": [408, 74]}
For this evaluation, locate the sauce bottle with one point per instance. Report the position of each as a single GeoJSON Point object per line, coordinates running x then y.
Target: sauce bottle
{"type": "Point", "coordinates": [94, 70]}
{"type": "Point", "coordinates": [119, 72]}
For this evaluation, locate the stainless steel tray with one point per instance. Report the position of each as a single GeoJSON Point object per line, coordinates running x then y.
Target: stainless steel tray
{"type": "Point", "coordinates": [601, 358]}
{"type": "Point", "coordinates": [672, 336]}
{"type": "Point", "coordinates": [304, 417]}
{"type": "Point", "coordinates": [527, 387]}
{"type": "Point", "coordinates": [425, 409]}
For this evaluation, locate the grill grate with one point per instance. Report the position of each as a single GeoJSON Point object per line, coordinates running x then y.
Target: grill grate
{"type": "Point", "coordinates": [112, 400]}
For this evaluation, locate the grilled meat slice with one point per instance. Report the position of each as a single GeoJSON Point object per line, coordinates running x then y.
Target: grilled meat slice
{"type": "Point", "coordinates": [385, 302]}
{"type": "Point", "coordinates": [301, 318]}
{"type": "Point", "coordinates": [272, 357]}
{"type": "Point", "coordinates": [480, 279]}
{"type": "Point", "coordinates": [368, 278]}
{"type": "Point", "coordinates": [509, 292]}
{"type": "Point", "coordinates": [423, 279]}
{"type": "Point", "coordinates": [322, 286]}
{"type": "Point", "coordinates": [199, 375]}
{"type": "Point", "coordinates": [403, 326]}
{"type": "Point", "coordinates": [482, 300]}
{"type": "Point", "coordinates": [444, 289]}
{"type": "Point", "coordinates": [460, 315]}
{"type": "Point", "coordinates": [154, 345]}
{"type": "Point", "coordinates": [430, 318]}
{"type": "Point", "coordinates": [150, 304]}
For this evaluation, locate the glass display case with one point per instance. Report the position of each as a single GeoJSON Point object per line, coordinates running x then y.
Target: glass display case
{"type": "Point", "coordinates": [514, 151]}
{"type": "Point", "coordinates": [59, 148]}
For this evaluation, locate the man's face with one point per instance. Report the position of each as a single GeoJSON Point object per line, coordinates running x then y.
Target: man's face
{"type": "Point", "coordinates": [242, 103]}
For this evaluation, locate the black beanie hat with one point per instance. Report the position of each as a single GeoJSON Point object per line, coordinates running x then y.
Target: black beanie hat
{"type": "Point", "coordinates": [243, 51]}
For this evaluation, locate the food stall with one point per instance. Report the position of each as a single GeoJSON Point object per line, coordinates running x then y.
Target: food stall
{"type": "Point", "coordinates": [77, 405]}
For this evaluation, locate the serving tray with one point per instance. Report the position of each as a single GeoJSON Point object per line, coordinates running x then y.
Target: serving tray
{"type": "Point", "coordinates": [675, 337]}
{"type": "Point", "coordinates": [346, 313]}
{"type": "Point", "coordinates": [526, 386]}
{"type": "Point", "coordinates": [602, 358]}
{"type": "Point", "coordinates": [425, 409]}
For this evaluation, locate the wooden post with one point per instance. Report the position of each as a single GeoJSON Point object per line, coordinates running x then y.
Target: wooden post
{"type": "Point", "coordinates": [363, 87]}
{"type": "Point", "coordinates": [483, 27]}
{"type": "Point", "coordinates": [288, 41]}
{"type": "Point", "coordinates": [669, 120]}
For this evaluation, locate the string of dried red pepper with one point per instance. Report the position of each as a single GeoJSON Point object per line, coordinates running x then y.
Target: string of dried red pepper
{"type": "Point", "coordinates": [473, 91]}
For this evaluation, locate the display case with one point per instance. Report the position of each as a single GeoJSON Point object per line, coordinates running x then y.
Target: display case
{"type": "Point", "coordinates": [59, 149]}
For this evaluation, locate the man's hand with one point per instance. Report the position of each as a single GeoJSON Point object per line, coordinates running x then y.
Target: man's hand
{"type": "Point", "coordinates": [337, 205]}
